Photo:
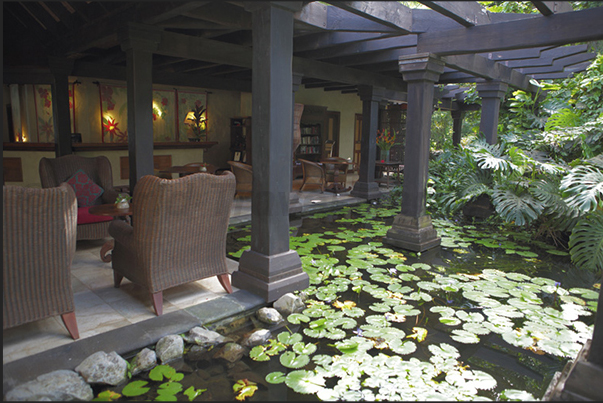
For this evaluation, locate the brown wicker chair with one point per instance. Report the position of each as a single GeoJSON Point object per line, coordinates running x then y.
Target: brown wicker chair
{"type": "Point", "coordinates": [244, 175]}
{"type": "Point", "coordinates": [54, 171]}
{"type": "Point", "coordinates": [178, 233]}
{"type": "Point", "coordinates": [39, 245]}
{"type": "Point", "coordinates": [313, 173]}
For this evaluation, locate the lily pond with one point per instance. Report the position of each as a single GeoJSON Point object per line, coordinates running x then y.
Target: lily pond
{"type": "Point", "coordinates": [488, 315]}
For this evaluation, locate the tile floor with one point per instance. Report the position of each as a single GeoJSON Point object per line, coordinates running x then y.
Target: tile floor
{"type": "Point", "coordinates": [101, 308]}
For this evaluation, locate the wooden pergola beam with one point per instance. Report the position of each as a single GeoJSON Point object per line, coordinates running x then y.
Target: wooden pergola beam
{"type": "Point", "coordinates": [392, 13]}
{"type": "Point", "coordinates": [558, 29]}
{"type": "Point", "coordinates": [466, 13]}
{"type": "Point", "coordinates": [547, 8]}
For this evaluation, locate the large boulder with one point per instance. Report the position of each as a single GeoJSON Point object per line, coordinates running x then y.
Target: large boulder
{"type": "Point", "coordinates": [103, 368]}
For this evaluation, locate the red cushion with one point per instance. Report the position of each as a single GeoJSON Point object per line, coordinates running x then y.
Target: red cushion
{"type": "Point", "coordinates": [86, 191]}
{"type": "Point", "coordinates": [84, 216]}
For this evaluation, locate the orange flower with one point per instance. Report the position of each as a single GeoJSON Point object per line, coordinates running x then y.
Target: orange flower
{"type": "Point", "coordinates": [386, 139]}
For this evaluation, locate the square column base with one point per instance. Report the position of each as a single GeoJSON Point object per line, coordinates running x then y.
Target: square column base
{"type": "Point", "coordinates": [366, 190]}
{"type": "Point", "coordinates": [270, 276]}
{"type": "Point", "coordinates": [413, 233]}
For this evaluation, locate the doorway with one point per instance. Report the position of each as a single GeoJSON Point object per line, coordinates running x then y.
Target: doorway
{"type": "Point", "coordinates": [332, 133]}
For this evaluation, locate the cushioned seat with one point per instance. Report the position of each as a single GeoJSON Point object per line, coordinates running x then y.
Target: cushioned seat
{"type": "Point", "coordinates": [92, 180]}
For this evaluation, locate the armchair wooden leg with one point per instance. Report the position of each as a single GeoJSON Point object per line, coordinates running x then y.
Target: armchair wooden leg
{"type": "Point", "coordinates": [117, 279]}
{"type": "Point", "coordinates": [71, 324]}
{"type": "Point", "coordinates": [158, 302]}
{"type": "Point", "coordinates": [225, 281]}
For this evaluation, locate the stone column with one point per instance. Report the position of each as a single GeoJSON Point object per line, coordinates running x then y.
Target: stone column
{"type": "Point", "coordinates": [492, 94]}
{"type": "Point", "coordinates": [457, 126]}
{"type": "Point", "coordinates": [366, 187]}
{"type": "Point", "coordinates": [139, 41]}
{"type": "Point", "coordinates": [61, 69]}
{"type": "Point", "coordinates": [269, 268]}
{"type": "Point", "coordinates": [294, 204]}
{"type": "Point", "coordinates": [412, 228]}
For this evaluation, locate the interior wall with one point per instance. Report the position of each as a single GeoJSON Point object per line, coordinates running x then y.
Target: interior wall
{"type": "Point", "coordinates": [347, 104]}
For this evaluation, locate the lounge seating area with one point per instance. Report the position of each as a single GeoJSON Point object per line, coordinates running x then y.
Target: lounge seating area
{"type": "Point", "coordinates": [101, 308]}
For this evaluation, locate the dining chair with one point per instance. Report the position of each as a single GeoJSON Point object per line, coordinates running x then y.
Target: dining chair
{"type": "Point", "coordinates": [313, 173]}
{"type": "Point", "coordinates": [336, 171]}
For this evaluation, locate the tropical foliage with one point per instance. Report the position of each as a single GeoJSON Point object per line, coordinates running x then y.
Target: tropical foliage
{"type": "Point", "coordinates": [546, 171]}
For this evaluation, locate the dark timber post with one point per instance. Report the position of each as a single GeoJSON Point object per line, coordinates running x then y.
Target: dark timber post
{"type": "Point", "coordinates": [492, 94]}
{"type": "Point", "coordinates": [457, 126]}
{"type": "Point", "coordinates": [412, 228]}
{"type": "Point", "coordinates": [139, 42]}
{"type": "Point", "coordinates": [60, 69]}
{"type": "Point", "coordinates": [270, 269]}
{"type": "Point", "coordinates": [366, 187]}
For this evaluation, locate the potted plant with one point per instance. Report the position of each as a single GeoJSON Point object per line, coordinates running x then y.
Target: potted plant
{"type": "Point", "coordinates": [198, 123]}
{"type": "Point", "coordinates": [123, 201]}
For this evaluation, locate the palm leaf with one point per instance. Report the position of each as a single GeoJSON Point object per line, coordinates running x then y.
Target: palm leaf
{"type": "Point", "coordinates": [563, 118]}
{"type": "Point", "coordinates": [520, 208]}
{"type": "Point", "coordinates": [586, 242]}
{"type": "Point", "coordinates": [583, 187]}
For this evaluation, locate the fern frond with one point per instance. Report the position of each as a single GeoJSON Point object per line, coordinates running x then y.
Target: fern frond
{"type": "Point", "coordinates": [563, 118]}
{"type": "Point", "coordinates": [586, 242]}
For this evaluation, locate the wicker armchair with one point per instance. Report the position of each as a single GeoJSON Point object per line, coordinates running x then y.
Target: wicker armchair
{"type": "Point", "coordinates": [54, 171]}
{"type": "Point", "coordinates": [313, 173]}
{"type": "Point", "coordinates": [39, 245]}
{"type": "Point", "coordinates": [178, 233]}
{"type": "Point", "coordinates": [244, 175]}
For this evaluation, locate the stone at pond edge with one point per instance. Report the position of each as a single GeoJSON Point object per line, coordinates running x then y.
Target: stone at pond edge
{"type": "Point", "coordinates": [231, 352]}
{"type": "Point", "coordinates": [169, 348]}
{"type": "Point", "coordinates": [204, 337]}
{"type": "Point", "coordinates": [269, 316]}
{"type": "Point", "coordinates": [256, 337]}
{"type": "Point", "coordinates": [61, 385]}
{"type": "Point", "coordinates": [144, 361]}
{"type": "Point", "coordinates": [288, 304]}
{"type": "Point", "coordinates": [103, 368]}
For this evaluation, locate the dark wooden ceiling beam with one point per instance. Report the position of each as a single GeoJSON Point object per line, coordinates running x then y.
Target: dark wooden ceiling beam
{"type": "Point", "coordinates": [361, 47]}
{"type": "Point", "coordinates": [221, 13]}
{"type": "Point", "coordinates": [489, 70]}
{"type": "Point", "coordinates": [341, 20]}
{"type": "Point", "coordinates": [466, 13]}
{"type": "Point", "coordinates": [559, 64]}
{"type": "Point", "coordinates": [547, 8]}
{"type": "Point", "coordinates": [391, 13]}
{"type": "Point", "coordinates": [548, 57]}
{"type": "Point", "coordinates": [317, 41]}
{"type": "Point", "coordinates": [558, 29]}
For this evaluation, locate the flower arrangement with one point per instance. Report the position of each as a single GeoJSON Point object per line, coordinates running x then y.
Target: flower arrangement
{"type": "Point", "coordinates": [386, 139]}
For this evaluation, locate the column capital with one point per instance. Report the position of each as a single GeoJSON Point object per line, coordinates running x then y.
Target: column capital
{"type": "Point", "coordinates": [492, 89]}
{"type": "Point", "coordinates": [421, 67]}
{"type": "Point", "coordinates": [140, 37]}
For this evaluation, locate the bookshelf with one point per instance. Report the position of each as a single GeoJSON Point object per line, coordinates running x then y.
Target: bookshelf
{"type": "Point", "coordinates": [311, 125]}
{"type": "Point", "coordinates": [240, 139]}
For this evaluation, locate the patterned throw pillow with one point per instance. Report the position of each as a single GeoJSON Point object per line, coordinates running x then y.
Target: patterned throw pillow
{"type": "Point", "coordinates": [86, 191]}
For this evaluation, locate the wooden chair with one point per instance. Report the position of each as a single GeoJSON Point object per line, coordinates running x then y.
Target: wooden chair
{"type": "Point", "coordinates": [336, 171]}
{"type": "Point", "coordinates": [244, 176]}
{"type": "Point", "coordinates": [54, 171]}
{"type": "Point", "coordinates": [39, 245]}
{"type": "Point", "coordinates": [313, 173]}
{"type": "Point", "coordinates": [178, 234]}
